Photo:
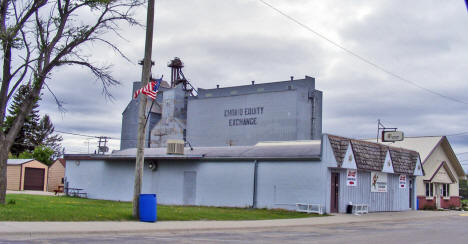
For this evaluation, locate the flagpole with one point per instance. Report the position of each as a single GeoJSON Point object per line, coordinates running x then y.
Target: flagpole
{"type": "Point", "coordinates": [149, 112]}
{"type": "Point", "coordinates": [146, 72]}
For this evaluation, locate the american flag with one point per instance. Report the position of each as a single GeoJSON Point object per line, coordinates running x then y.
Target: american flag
{"type": "Point", "coordinates": [150, 90]}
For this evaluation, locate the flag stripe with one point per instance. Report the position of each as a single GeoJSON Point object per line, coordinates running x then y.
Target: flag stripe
{"type": "Point", "coordinates": [150, 90]}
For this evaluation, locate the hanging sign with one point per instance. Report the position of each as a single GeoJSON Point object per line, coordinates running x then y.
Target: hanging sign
{"type": "Point", "coordinates": [378, 182]}
{"type": "Point", "coordinates": [402, 181]}
{"type": "Point", "coordinates": [351, 178]}
{"type": "Point", "coordinates": [392, 136]}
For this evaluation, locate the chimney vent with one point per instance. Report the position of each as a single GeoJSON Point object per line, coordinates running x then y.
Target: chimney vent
{"type": "Point", "coordinates": [253, 82]}
{"type": "Point", "coordinates": [217, 86]}
{"type": "Point", "coordinates": [292, 78]}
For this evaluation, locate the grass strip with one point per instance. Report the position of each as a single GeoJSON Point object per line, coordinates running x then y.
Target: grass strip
{"type": "Point", "coordinates": [23, 207]}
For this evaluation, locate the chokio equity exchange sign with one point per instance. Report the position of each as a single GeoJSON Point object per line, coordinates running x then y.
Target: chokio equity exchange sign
{"type": "Point", "coordinates": [243, 116]}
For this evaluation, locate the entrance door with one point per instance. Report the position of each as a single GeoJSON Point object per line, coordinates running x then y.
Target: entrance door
{"type": "Point", "coordinates": [335, 190]}
{"type": "Point", "coordinates": [437, 193]}
{"type": "Point", "coordinates": [410, 194]}
{"type": "Point", "coordinates": [34, 179]}
{"type": "Point", "coordinates": [190, 184]}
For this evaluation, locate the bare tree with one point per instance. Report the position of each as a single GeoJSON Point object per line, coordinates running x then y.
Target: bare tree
{"type": "Point", "coordinates": [38, 36]}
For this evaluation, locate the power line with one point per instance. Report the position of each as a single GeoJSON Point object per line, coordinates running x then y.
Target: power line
{"type": "Point", "coordinates": [363, 59]}
{"type": "Point", "coordinates": [75, 134]}
{"type": "Point", "coordinates": [92, 136]}
{"type": "Point", "coordinates": [459, 134]}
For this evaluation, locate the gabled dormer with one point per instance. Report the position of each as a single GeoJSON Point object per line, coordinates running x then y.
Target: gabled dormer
{"type": "Point", "coordinates": [388, 164]}
{"type": "Point", "coordinates": [443, 174]}
{"type": "Point", "coordinates": [418, 169]}
{"type": "Point", "coordinates": [349, 162]}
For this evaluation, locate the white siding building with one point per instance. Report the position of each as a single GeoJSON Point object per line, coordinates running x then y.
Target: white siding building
{"type": "Point", "coordinates": [266, 175]}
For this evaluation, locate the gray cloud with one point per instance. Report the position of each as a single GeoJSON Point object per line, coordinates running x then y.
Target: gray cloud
{"type": "Point", "coordinates": [236, 42]}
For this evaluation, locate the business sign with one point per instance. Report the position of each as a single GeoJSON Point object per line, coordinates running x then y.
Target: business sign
{"type": "Point", "coordinates": [378, 182]}
{"type": "Point", "coordinates": [243, 116]}
{"type": "Point", "coordinates": [391, 136]}
{"type": "Point", "coordinates": [402, 181]}
{"type": "Point", "coordinates": [351, 178]}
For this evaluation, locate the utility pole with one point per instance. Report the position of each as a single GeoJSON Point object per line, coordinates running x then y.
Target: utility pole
{"type": "Point", "coordinates": [146, 73]}
{"type": "Point", "coordinates": [102, 145]}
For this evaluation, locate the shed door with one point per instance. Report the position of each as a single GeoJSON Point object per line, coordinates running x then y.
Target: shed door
{"type": "Point", "coordinates": [34, 179]}
{"type": "Point", "coordinates": [335, 186]}
{"type": "Point", "coordinates": [189, 191]}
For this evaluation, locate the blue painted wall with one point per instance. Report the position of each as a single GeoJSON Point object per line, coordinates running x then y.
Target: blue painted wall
{"type": "Point", "coordinates": [218, 183]}
{"type": "Point", "coordinates": [230, 182]}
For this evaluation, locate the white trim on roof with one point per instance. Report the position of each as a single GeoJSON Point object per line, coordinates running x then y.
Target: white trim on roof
{"type": "Point", "coordinates": [418, 169]}
{"type": "Point", "coordinates": [288, 143]}
{"type": "Point", "coordinates": [349, 162]}
{"type": "Point", "coordinates": [18, 161]}
{"type": "Point", "coordinates": [388, 164]}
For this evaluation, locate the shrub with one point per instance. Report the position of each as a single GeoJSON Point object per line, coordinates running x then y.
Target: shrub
{"type": "Point", "coordinates": [428, 207]}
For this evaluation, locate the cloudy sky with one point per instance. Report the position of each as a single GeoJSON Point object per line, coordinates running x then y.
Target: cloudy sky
{"type": "Point", "coordinates": [234, 42]}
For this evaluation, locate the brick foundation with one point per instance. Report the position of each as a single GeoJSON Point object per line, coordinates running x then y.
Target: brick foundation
{"type": "Point", "coordinates": [444, 203]}
{"type": "Point", "coordinates": [452, 202]}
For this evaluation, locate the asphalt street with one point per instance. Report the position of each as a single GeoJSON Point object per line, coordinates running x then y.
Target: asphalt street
{"type": "Point", "coordinates": [448, 229]}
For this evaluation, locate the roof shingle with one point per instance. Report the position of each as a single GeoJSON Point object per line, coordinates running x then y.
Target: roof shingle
{"type": "Point", "coordinates": [371, 156]}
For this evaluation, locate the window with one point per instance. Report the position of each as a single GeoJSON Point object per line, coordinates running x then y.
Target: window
{"type": "Point", "coordinates": [446, 190]}
{"type": "Point", "coordinates": [429, 189]}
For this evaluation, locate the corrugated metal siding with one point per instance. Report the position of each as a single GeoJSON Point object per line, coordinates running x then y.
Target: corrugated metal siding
{"type": "Point", "coordinates": [395, 199]}
{"type": "Point", "coordinates": [288, 118]}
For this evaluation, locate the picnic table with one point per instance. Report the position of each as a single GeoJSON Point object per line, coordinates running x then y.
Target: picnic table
{"type": "Point", "coordinates": [76, 192]}
{"type": "Point", "coordinates": [58, 190]}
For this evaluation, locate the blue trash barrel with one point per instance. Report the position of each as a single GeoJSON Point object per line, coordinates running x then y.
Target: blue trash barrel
{"type": "Point", "coordinates": [148, 207]}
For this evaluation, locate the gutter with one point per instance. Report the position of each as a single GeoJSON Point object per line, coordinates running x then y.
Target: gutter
{"type": "Point", "coordinates": [195, 157]}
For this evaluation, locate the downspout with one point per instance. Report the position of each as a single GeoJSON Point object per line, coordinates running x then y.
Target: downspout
{"type": "Point", "coordinates": [255, 175]}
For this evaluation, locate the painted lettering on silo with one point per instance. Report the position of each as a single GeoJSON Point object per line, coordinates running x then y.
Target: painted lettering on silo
{"type": "Point", "coordinates": [240, 113]}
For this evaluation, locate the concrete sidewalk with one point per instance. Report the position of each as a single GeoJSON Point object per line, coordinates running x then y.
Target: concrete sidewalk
{"type": "Point", "coordinates": [30, 229]}
{"type": "Point", "coordinates": [42, 193]}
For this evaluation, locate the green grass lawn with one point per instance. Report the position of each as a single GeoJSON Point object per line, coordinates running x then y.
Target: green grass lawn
{"type": "Point", "coordinates": [22, 207]}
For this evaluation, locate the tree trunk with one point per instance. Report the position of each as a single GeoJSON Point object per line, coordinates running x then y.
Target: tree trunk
{"type": "Point", "coordinates": [4, 149]}
{"type": "Point", "coordinates": [6, 140]}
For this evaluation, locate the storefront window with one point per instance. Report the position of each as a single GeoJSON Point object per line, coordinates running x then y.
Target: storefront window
{"type": "Point", "coordinates": [429, 189]}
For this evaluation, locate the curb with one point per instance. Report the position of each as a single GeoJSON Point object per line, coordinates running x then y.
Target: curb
{"type": "Point", "coordinates": [217, 225]}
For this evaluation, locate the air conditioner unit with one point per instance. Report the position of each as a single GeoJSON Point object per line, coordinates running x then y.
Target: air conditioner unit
{"type": "Point", "coordinates": [175, 147]}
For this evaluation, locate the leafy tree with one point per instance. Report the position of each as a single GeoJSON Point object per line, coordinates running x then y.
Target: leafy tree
{"type": "Point", "coordinates": [23, 139]}
{"type": "Point", "coordinates": [463, 188]}
{"type": "Point", "coordinates": [44, 135]}
{"type": "Point", "coordinates": [34, 132]}
{"type": "Point", "coordinates": [39, 36]}
{"type": "Point", "coordinates": [40, 153]}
